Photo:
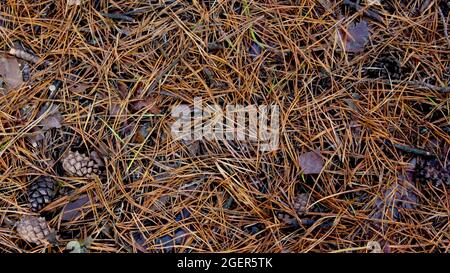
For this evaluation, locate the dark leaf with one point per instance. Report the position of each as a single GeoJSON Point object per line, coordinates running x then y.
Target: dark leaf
{"type": "Point", "coordinates": [356, 37]}
{"type": "Point", "coordinates": [10, 72]}
{"type": "Point", "coordinates": [311, 162]}
{"type": "Point", "coordinates": [52, 121]}
{"type": "Point", "coordinates": [255, 50]}
{"type": "Point", "coordinates": [149, 104]}
{"type": "Point", "coordinates": [75, 208]}
{"type": "Point", "coordinates": [400, 195]}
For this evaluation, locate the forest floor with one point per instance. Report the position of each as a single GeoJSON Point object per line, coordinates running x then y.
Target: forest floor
{"type": "Point", "coordinates": [89, 161]}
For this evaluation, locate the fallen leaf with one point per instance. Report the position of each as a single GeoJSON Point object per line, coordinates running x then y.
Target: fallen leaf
{"type": "Point", "coordinates": [357, 36]}
{"type": "Point", "coordinates": [400, 195]}
{"type": "Point", "coordinates": [141, 133]}
{"type": "Point", "coordinates": [160, 203]}
{"type": "Point", "coordinates": [326, 4]}
{"type": "Point", "coordinates": [10, 72]}
{"type": "Point", "coordinates": [123, 89]}
{"type": "Point", "coordinates": [184, 214]}
{"type": "Point", "coordinates": [74, 209]}
{"type": "Point", "coordinates": [52, 121]}
{"type": "Point", "coordinates": [167, 242]}
{"type": "Point", "coordinates": [79, 88]}
{"type": "Point", "coordinates": [36, 136]}
{"type": "Point", "coordinates": [140, 241]}
{"type": "Point", "coordinates": [255, 50]}
{"type": "Point", "coordinates": [149, 104]}
{"type": "Point", "coordinates": [311, 162]}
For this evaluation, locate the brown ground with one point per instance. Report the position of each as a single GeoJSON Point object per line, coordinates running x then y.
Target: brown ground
{"type": "Point", "coordinates": [365, 86]}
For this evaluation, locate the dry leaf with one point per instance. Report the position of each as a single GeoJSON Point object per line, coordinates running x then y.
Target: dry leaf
{"type": "Point", "coordinates": [326, 4]}
{"type": "Point", "coordinates": [140, 241]}
{"type": "Point", "coordinates": [160, 203]}
{"type": "Point", "coordinates": [123, 89]}
{"type": "Point", "coordinates": [74, 209]}
{"type": "Point", "coordinates": [255, 50]}
{"type": "Point", "coordinates": [400, 195]}
{"type": "Point", "coordinates": [356, 37]}
{"type": "Point", "coordinates": [79, 88]}
{"type": "Point", "coordinates": [141, 133]}
{"type": "Point", "coordinates": [149, 104]}
{"type": "Point", "coordinates": [10, 72]}
{"type": "Point", "coordinates": [52, 121]}
{"type": "Point", "coordinates": [311, 162]}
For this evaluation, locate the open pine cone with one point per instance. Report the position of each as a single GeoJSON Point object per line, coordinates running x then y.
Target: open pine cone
{"type": "Point", "coordinates": [300, 206]}
{"type": "Point", "coordinates": [41, 192]}
{"type": "Point", "coordinates": [433, 171]}
{"type": "Point", "coordinates": [78, 164]}
{"type": "Point", "coordinates": [34, 230]}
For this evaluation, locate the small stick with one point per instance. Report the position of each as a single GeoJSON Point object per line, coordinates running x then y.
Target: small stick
{"type": "Point", "coordinates": [430, 86]}
{"type": "Point", "coordinates": [411, 150]}
{"type": "Point", "coordinates": [118, 16]}
{"type": "Point", "coordinates": [426, 4]}
{"type": "Point", "coordinates": [418, 84]}
{"type": "Point", "coordinates": [9, 222]}
{"type": "Point", "coordinates": [22, 54]}
{"type": "Point", "coordinates": [445, 25]}
{"type": "Point", "coordinates": [371, 14]}
{"type": "Point", "coordinates": [54, 87]}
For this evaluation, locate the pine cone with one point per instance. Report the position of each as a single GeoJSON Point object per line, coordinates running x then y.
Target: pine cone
{"type": "Point", "coordinates": [433, 171]}
{"type": "Point", "coordinates": [300, 205]}
{"type": "Point", "coordinates": [78, 164]}
{"type": "Point", "coordinates": [41, 192]}
{"type": "Point", "coordinates": [386, 66]}
{"type": "Point", "coordinates": [287, 219]}
{"type": "Point", "coordinates": [34, 230]}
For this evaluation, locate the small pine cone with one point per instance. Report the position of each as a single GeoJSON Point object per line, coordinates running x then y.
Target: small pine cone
{"type": "Point", "coordinates": [287, 219]}
{"type": "Point", "coordinates": [301, 203]}
{"type": "Point", "coordinates": [34, 230]}
{"type": "Point", "coordinates": [433, 171]}
{"type": "Point", "coordinates": [78, 164]}
{"type": "Point", "coordinates": [41, 192]}
{"type": "Point", "coordinates": [386, 66]}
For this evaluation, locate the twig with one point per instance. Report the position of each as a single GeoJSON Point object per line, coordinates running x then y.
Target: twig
{"type": "Point", "coordinates": [445, 25]}
{"type": "Point", "coordinates": [426, 4]}
{"type": "Point", "coordinates": [118, 16]}
{"type": "Point", "coordinates": [369, 13]}
{"type": "Point", "coordinates": [55, 86]}
{"type": "Point", "coordinates": [22, 54]}
{"type": "Point", "coordinates": [419, 84]}
{"type": "Point", "coordinates": [409, 149]}
{"type": "Point", "coordinates": [9, 222]}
